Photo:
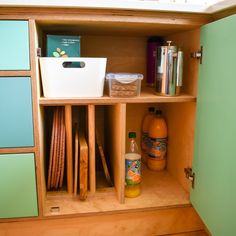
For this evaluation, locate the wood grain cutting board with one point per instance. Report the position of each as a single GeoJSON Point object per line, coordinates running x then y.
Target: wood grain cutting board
{"type": "Point", "coordinates": [76, 160]}
{"type": "Point", "coordinates": [103, 158]}
{"type": "Point", "coordinates": [57, 150]}
{"type": "Point", "coordinates": [83, 150]}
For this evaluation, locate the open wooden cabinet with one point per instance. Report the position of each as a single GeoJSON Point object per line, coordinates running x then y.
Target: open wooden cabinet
{"type": "Point", "coordinates": [121, 37]}
{"type": "Point", "coordinates": [115, 117]}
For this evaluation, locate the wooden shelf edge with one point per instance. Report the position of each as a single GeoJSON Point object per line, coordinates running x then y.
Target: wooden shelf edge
{"type": "Point", "coordinates": [117, 211]}
{"type": "Point", "coordinates": [17, 150]}
{"type": "Point", "coordinates": [105, 100]}
{"type": "Point", "coordinates": [8, 73]}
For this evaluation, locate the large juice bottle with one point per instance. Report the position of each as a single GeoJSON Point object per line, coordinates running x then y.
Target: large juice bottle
{"type": "Point", "coordinates": [132, 168]}
{"type": "Point", "coordinates": [157, 133]}
{"type": "Point", "coordinates": [145, 140]}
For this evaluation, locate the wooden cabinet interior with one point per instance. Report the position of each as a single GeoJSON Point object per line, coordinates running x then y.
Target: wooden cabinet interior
{"type": "Point", "coordinates": [114, 118]}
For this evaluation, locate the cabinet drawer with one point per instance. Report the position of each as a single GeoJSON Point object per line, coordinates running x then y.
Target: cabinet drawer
{"type": "Point", "coordinates": [16, 124]}
{"type": "Point", "coordinates": [14, 45]}
{"type": "Point", "coordinates": [18, 196]}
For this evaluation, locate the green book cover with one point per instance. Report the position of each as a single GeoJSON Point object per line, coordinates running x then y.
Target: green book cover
{"type": "Point", "coordinates": [63, 46]}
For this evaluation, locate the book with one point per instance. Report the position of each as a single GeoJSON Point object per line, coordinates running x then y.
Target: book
{"type": "Point", "coordinates": [63, 46]}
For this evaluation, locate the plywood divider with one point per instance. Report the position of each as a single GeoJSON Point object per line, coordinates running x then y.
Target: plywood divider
{"type": "Point", "coordinates": [91, 142]}
{"type": "Point", "coordinates": [69, 158]}
{"type": "Point", "coordinates": [35, 107]}
{"type": "Point", "coordinates": [181, 116]}
{"type": "Point", "coordinates": [116, 141]}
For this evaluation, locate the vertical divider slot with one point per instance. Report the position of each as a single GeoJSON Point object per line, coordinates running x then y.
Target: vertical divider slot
{"type": "Point", "coordinates": [91, 142]}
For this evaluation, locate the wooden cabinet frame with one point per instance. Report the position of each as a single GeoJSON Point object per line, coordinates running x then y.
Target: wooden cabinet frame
{"type": "Point", "coordinates": [183, 29]}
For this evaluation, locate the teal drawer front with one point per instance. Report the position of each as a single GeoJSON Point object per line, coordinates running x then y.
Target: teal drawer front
{"type": "Point", "coordinates": [16, 122]}
{"type": "Point", "coordinates": [14, 45]}
{"type": "Point", "coordinates": [18, 196]}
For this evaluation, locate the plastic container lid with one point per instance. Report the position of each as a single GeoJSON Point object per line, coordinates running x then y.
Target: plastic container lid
{"type": "Point", "coordinates": [124, 77]}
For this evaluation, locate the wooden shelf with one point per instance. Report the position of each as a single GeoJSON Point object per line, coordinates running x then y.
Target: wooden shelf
{"type": "Point", "coordinates": [147, 96]}
{"type": "Point", "coordinates": [17, 150]}
{"type": "Point", "coordinates": [159, 190]}
{"type": "Point", "coordinates": [7, 73]}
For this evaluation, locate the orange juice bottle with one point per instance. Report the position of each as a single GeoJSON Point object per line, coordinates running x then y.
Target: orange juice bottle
{"type": "Point", "coordinates": [157, 133]}
{"type": "Point", "coordinates": [145, 140]}
{"type": "Point", "coordinates": [132, 168]}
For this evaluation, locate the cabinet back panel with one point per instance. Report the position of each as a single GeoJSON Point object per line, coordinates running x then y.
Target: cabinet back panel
{"type": "Point", "coordinates": [124, 54]}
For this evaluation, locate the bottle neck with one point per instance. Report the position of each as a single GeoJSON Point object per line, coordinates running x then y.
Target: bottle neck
{"type": "Point", "coordinates": [132, 145]}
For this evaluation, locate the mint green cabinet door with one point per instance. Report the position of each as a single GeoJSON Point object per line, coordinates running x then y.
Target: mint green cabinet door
{"type": "Point", "coordinates": [214, 195]}
{"type": "Point", "coordinates": [16, 122]}
{"type": "Point", "coordinates": [14, 45]}
{"type": "Point", "coordinates": [18, 197]}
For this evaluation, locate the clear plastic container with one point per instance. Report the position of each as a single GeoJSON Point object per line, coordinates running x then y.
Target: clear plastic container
{"type": "Point", "coordinates": [124, 84]}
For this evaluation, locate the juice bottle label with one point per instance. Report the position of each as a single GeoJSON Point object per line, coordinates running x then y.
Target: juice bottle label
{"type": "Point", "coordinates": [157, 148]}
{"type": "Point", "coordinates": [132, 172]}
{"type": "Point", "coordinates": [145, 141]}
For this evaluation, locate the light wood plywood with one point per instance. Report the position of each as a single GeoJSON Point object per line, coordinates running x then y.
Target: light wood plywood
{"type": "Point", "coordinates": [181, 124]}
{"type": "Point", "coordinates": [159, 190]}
{"type": "Point", "coordinates": [188, 42]}
{"type": "Point", "coordinates": [116, 115]}
{"type": "Point", "coordinates": [147, 96]}
{"type": "Point", "coordinates": [91, 144]}
{"type": "Point", "coordinates": [69, 157]}
{"type": "Point", "coordinates": [140, 223]}
{"type": "Point", "coordinates": [126, 22]}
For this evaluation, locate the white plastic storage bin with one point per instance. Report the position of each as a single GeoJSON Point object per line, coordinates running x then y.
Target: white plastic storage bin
{"type": "Point", "coordinates": [124, 84]}
{"type": "Point", "coordinates": [73, 76]}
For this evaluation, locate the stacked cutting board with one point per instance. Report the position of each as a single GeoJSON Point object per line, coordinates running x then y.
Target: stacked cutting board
{"type": "Point", "coordinates": [57, 150]}
{"type": "Point", "coordinates": [61, 154]}
{"type": "Point", "coordinates": [76, 160]}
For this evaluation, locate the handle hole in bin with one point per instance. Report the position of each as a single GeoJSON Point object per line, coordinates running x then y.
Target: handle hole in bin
{"type": "Point", "coordinates": [73, 64]}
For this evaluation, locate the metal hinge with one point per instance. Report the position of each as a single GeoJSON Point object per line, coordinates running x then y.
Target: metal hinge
{"type": "Point", "coordinates": [190, 175]}
{"type": "Point", "coordinates": [198, 55]}
{"type": "Point", "coordinates": [39, 52]}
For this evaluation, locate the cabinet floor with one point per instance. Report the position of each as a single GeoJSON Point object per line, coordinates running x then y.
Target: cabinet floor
{"type": "Point", "coordinates": [159, 189]}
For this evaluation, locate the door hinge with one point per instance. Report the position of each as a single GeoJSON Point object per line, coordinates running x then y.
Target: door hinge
{"type": "Point", "coordinates": [39, 52]}
{"type": "Point", "coordinates": [198, 55]}
{"type": "Point", "coordinates": [190, 175]}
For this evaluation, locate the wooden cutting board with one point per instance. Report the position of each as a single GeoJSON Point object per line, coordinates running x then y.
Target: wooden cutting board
{"type": "Point", "coordinates": [76, 160]}
{"type": "Point", "coordinates": [51, 152]}
{"type": "Point", "coordinates": [83, 151]}
{"type": "Point", "coordinates": [57, 150]}
{"type": "Point", "coordinates": [103, 158]}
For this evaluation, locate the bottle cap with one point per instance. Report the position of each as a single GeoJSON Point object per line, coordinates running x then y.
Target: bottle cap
{"type": "Point", "coordinates": [158, 112]}
{"type": "Point", "coordinates": [151, 109]}
{"type": "Point", "coordinates": [132, 134]}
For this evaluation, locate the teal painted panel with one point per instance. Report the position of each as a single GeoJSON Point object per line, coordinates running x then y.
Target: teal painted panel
{"type": "Point", "coordinates": [16, 121]}
{"type": "Point", "coordinates": [14, 45]}
{"type": "Point", "coordinates": [18, 196]}
{"type": "Point", "coordinates": [214, 162]}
